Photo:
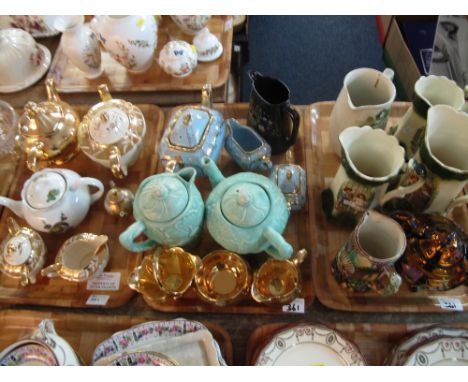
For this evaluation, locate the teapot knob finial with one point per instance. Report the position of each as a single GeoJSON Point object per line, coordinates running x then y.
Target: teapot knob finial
{"type": "Point", "coordinates": [243, 200]}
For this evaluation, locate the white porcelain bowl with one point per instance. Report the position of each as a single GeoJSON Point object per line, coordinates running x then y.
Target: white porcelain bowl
{"type": "Point", "coordinates": [178, 58]}
{"type": "Point", "coordinates": [22, 61]}
{"type": "Point", "coordinates": [191, 24]}
{"type": "Point", "coordinates": [208, 46]}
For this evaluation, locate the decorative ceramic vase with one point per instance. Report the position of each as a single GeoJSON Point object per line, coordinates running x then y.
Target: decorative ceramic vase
{"type": "Point", "coordinates": [428, 91]}
{"type": "Point", "coordinates": [47, 131]}
{"type": "Point", "coordinates": [192, 132]}
{"type": "Point", "coordinates": [371, 160]}
{"type": "Point", "coordinates": [191, 24]}
{"type": "Point", "coordinates": [22, 61]}
{"type": "Point", "coordinates": [22, 253]}
{"type": "Point", "coordinates": [441, 164]}
{"type": "Point", "coordinates": [112, 133]}
{"type": "Point", "coordinates": [366, 261]}
{"type": "Point", "coordinates": [365, 99]}
{"type": "Point", "coordinates": [178, 58]}
{"type": "Point", "coordinates": [208, 46]}
{"type": "Point", "coordinates": [80, 44]}
{"type": "Point", "coordinates": [168, 209]}
{"type": "Point", "coordinates": [246, 213]}
{"type": "Point", "coordinates": [130, 40]}
{"type": "Point", "coordinates": [54, 200]}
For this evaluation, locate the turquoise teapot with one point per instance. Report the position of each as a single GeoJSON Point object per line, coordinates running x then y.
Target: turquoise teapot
{"type": "Point", "coordinates": [168, 209]}
{"type": "Point", "coordinates": [246, 213]}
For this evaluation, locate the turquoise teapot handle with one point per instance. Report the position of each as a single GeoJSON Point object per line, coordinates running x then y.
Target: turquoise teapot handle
{"type": "Point", "coordinates": [127, 238]}
{"type": "Point", "coordinates": [279, 249]}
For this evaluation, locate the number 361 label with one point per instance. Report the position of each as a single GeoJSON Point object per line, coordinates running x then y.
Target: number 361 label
{"type": "Point", "coordinates": [295, 306]}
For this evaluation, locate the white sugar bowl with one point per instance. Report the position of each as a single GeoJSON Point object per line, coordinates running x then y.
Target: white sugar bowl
{"type": "Point", "coordinates": [178, 58]}
{"type": "Point", "coordinates": [208, 46]}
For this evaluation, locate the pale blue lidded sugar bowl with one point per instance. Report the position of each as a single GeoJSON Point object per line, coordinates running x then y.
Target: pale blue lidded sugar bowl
{"type": "Point", "coordinates": [193, 132]}
{"type": "Point", "coordinates": [246, 213]}
{"type": "Point", "coordinates": [168, 209]}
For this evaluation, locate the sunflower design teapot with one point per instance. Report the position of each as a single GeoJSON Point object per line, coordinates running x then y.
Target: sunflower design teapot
{"type": "Point", "coordinates": [168, 209]}
{"type": "Point", "coordinates": [246, 213]}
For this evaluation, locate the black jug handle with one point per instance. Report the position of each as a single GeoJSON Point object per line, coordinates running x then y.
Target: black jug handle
{"type": "Point", "coordinates": [295, 121]}
{"type": "Point", "coordinates": [254, 75]}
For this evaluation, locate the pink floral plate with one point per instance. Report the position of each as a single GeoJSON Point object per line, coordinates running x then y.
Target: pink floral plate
{"type": "Point", "coordinates": [28, 353]}
{"type": "Point", "coordinates": [146, 358]}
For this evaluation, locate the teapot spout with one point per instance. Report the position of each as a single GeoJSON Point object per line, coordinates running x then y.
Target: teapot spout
{"type": "Point", "coordinates": [15, 206]}
{"type": "Point", "coordinates": [214, 175]}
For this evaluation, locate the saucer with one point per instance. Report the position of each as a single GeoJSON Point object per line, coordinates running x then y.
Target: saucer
{"type": "Point", "coordinates": [42, 68]}
{"type": "Point", "coordinates": [28, 353]}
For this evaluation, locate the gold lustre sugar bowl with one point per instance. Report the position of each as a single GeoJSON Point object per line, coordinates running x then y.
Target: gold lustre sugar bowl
{"type": "Point", "coordinates": [224, 279]}
{"type": "Point", "coordinates": [47, 131]}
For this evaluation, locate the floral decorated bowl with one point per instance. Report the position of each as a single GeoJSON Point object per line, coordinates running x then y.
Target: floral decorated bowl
{"type": "Point", "coordinates": [178, 58]}
{"type": "Point", "coordinates": [191, 24]}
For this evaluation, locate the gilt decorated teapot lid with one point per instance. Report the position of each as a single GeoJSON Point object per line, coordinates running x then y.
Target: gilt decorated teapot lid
{"type": "Point", "coordinates": [44, 189]}
{"type": "Point", "coordinates": [189, 127]}
{"type": "Point", "coordinates": [163, 199]}
{"type": "Point", "coordinates": [245, 204]}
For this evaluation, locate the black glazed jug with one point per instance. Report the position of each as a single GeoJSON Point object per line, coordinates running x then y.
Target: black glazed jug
{"type": "Point", "coordinates": [270, 112]}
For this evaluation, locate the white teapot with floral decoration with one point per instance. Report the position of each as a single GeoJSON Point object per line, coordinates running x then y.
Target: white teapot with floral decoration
{"type": "Point", "coordinates": [54, 200]}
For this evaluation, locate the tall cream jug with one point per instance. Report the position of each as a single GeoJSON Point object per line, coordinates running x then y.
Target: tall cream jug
{"type": "Point", "coordinates": [365, 99]}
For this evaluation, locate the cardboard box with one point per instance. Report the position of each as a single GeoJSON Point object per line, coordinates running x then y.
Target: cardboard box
{"type": "Point", "coordinates": [397, 55]}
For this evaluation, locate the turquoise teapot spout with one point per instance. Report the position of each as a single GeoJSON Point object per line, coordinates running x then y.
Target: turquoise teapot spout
{"type": "Point", "coordinates": [246, 213]}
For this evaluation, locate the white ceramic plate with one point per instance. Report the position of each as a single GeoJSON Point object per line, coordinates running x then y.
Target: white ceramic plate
{"type": "Point", "coordinates": [154, 336]}
{"type": "Point", "coordinates": [34, 77]}
{"type": "Point", "coordinates": [400, 353]}
{"type": "Point", "coordinates": [440, 352]}
{"type": "Point", "coordinates": [309, 345]}
{"type": "Point", "coordinates": [28, 353]}
{"type": "Point", "coordinates": [35, 25]}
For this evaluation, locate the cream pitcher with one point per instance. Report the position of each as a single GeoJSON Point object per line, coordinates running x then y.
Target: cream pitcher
{"type": "Point", "coordinates": [365, 99]}
{"type": "Point", "coordinates": [441, 163]}
{"type": "Point", "coordinates": [366, 261]}
{"type": "Point", "coordinates": [371, 159]}
{"type": "Point", "coordinates": [428, 91]}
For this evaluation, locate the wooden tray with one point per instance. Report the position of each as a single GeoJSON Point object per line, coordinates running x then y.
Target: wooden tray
{"type": "Point", "coordinates": [296, 233]}
{"type": "Point", "coordinates": [59, 292]}
{"type": "Point", "coordinates": [323, 164]}
{"type": "Point", "coordinates": [70, 80]}
{"type": "Point", "coordinates": [85, 332]}
{"type": "Point", "coordinates": [375, 341]}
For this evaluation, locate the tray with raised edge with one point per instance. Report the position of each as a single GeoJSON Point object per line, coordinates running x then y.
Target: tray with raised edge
{"type": "Point", "coordinates": [296, 233]}
{"type": "Point", "coordinates": [322, 166]}
{"type": "Point", "coordinates": [59, 292]}
{"type": "Point", "coordinates": [375, 341]}
{"type": "Point", "coordinates": [84, 332]}
{"type": "Point", "coordinates": [69, 79]}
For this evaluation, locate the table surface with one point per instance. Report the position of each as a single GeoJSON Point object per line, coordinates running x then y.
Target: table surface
{"type": "Point", "coordinates": [240, 326]}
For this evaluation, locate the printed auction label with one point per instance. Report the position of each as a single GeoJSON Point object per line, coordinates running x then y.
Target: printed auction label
{"type": "Point", "coordinates": [97, 299]}
{"type": "Point", "coordinates": [105, 281]}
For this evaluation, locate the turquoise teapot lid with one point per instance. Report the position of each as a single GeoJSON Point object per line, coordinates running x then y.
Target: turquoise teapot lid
{"type": "Point", "coordinates": [163, 199]}
{"type": "Point", "coordinates": [245, 204]}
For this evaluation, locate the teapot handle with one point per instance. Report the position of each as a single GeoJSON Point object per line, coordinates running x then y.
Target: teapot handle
{"type": "Point", "coordinates": [33, 155]}
{"type": "Point", "coordinates": [96, 183]}
{"type": "Point", "coordinates": [127, 238]}
{"type": "Point", "coordinates": [279, 249]}
{"type": "Point", "coordinates": [117, 167]}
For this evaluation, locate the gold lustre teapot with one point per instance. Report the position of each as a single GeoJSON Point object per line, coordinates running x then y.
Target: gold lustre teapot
{"type": "Point", "coordinates": [47, 131]}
